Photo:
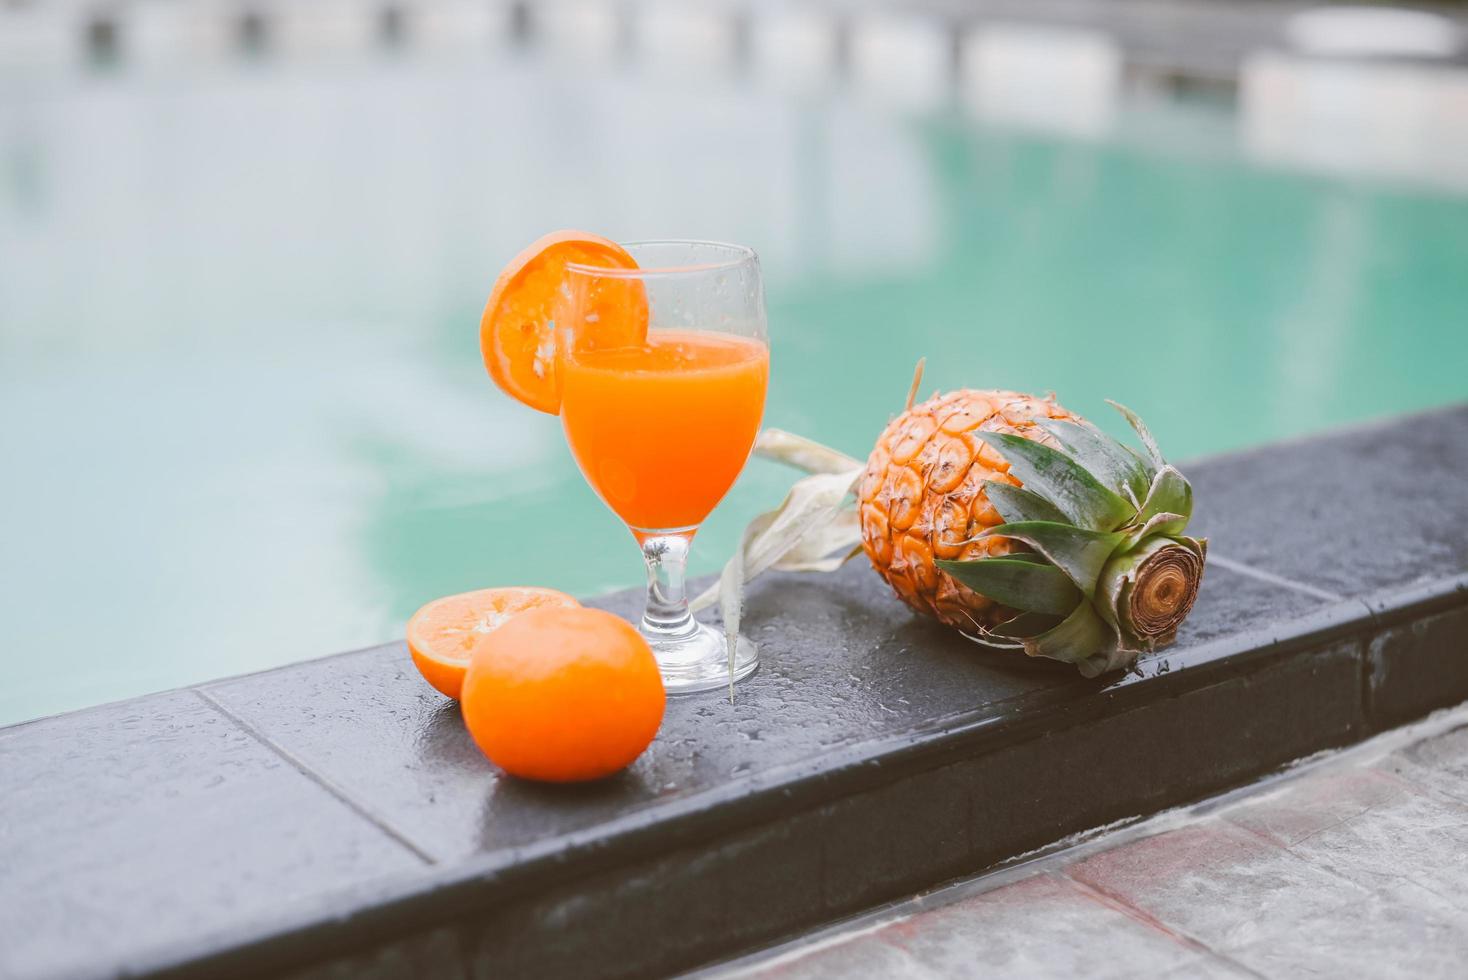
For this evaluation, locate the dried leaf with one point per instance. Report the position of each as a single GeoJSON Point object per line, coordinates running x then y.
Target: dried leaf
{"type": "Point", "coordinates": [731, 592]}
{"type": "Point", "coordinates": [814, 520]}
{"type": "Point", "coordinates": [802, 453]}
{"type": "Point", "coordinates": [825, 548]}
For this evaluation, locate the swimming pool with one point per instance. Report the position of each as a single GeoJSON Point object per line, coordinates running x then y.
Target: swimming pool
{"type": "Point", "coordinates": [243, 419]}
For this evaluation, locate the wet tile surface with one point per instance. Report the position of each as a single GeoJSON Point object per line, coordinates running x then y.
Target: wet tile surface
{"type": "Point", "coordinates": [154, 822]}
{"type": "Point", "coordinates": [843, 663]}
{"type": "Point", "coordinates": [1229, 604]}
{"type": "Point", "coordinates": [1348, 513]}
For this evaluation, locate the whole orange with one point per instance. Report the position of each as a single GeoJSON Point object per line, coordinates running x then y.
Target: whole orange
{"type": "Point", "coordinates": [563, 695]}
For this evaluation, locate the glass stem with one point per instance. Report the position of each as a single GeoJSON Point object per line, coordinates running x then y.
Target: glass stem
{"type": "Point", "coordinates": [667, 616]}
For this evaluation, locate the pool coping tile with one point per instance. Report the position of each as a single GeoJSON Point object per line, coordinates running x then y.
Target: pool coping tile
{"type": "Point", "coordinates": [873, 755]}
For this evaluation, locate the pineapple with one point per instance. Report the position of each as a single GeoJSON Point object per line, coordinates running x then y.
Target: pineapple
{"type": "Point", "coordinates": [1004, 516]}
{"type": "Point", "coordinates": [922, 497]}
{"type": "Point", "coordinates": [1025, 527]}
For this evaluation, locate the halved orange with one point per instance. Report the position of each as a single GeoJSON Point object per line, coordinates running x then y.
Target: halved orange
{"type": "Point", "coordinates": [442, 634]}
{"type": "Point", "coordinates": [517, 333]}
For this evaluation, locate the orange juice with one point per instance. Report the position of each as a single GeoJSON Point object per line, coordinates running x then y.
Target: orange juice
{"type": "Point", "coordinates": [662, 429]}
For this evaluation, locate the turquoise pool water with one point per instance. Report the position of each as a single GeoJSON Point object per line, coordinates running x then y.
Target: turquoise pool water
{"type": "Point", "coordinates": [243, 419]}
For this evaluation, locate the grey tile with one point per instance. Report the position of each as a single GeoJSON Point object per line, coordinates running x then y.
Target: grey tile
{"type": "Point", "coordinates": [1216, 883]}
{"type": "Point", "coordinates": [153, 822]}
{"type": "Point", "coordinates": [863, 958]}
{"type": "Point", "coordinates": [1039, 927]}
{"type": "Point", "coordinates": [1372, 829]}
{"type": "Point", "coordinates": [1313, 803]}
{"type": "Point", "coordinates": [1042, 926]}
{"type": "Point", "coordinates": [1215, 967]}
{"type": "Point", "coordinates": [1373, 508]}
{"type": "Point", "coordinates": [1402, 933]}
{"type": "Point", "coordinates": [1439, 763]}
{"type": "Point", "coordinates": [1447, 752]}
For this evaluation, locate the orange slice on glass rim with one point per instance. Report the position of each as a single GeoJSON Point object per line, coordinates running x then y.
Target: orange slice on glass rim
{"type": "Point", "coordinates": [517, 333]}
{"type": "Point", "coordinates": [442, 634]}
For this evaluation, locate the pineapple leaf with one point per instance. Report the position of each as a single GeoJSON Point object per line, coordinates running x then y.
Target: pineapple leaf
{"type": "Point", "coordinates": [1157, 525]}
{"type": "Point", "coordinates": [1021, 584]}
{"type": "Point", "coordinates": [1078, 637]}
{"type": "Point", "coordinates": [1135, 421]}
{"type": "Point", "coordinates": [1144, 463]}
{"type": "Point", "coordinates": [1170, 493]}
{"type": "Point", "coordinates": [1017, 504]}
{"type": "Point", "coordinates": [1062, 481]}
{"type": "Point", "coordinates": [1078, 552]}
{"type": "Point", "coordinates": [1108, 460]}
{"type": "Point", "coordinates": [1116, 658]}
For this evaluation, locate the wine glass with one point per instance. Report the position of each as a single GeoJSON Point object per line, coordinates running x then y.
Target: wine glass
{"type": "Point", "coordinates": [661, 427]}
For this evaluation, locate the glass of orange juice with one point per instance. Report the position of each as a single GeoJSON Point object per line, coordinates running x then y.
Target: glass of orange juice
{"type": "Point", "coordinates": [662, 427]}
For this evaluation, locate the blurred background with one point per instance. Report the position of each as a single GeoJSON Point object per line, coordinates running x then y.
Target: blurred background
{"type": "Point", "coordinates": [244, 245]}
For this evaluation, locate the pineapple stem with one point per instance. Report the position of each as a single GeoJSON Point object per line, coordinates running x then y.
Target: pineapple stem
{"type": "Point", "coordinates": [1163, 592]}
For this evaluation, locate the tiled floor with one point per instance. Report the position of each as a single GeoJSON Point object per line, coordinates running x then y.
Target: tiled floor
{"type": "Point", "coordinates": [1353, 865]}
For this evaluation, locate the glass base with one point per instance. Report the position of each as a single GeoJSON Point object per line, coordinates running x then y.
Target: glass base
{"type": "Point", "coordinates": [700, 660]}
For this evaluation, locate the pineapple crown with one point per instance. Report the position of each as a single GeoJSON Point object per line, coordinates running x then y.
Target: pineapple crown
{"type": "Point", "coordinates": [1111, 573]}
